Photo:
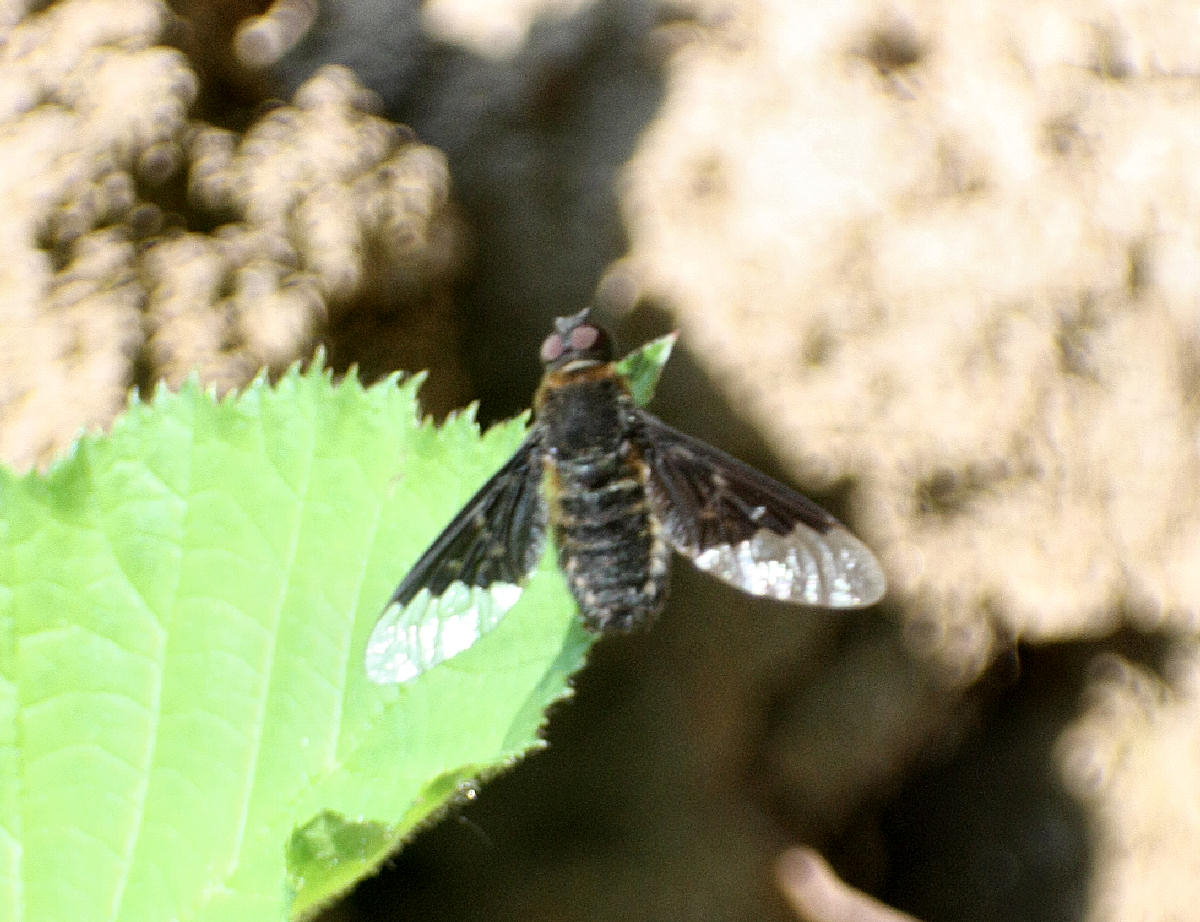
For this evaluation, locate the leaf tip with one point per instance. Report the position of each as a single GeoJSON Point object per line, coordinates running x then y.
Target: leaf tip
{"type": "Point", "coordinates": [318, 360]}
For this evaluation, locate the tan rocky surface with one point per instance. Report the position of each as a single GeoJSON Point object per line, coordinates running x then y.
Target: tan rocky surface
{"type": "Point", "coordinates": [950, 251]}
{"type": "Point", "coordinates": [142, 243]}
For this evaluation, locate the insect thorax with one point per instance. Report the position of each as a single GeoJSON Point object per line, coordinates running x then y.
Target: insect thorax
{"type": "Point", "coordinates": [609, 545]}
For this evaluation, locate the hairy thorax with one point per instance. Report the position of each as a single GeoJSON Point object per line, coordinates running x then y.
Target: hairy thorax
{"type": "Point", "coordinates": [608, 544]}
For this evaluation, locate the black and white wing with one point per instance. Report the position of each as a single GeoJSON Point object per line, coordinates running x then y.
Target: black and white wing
{"type": "Point", "coordinates": [751, 531]}
{"type": "Point", "coordinates": [497, 537]}
{"type": "Point", "coordinates": [472, 572]}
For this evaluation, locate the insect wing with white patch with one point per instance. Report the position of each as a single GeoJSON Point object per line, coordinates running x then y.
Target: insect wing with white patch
{"type": "Point", "coordinates": [750, 530]}
{"type": "Point", "coordinates": [472, 573]}
{"type": "Point", "coordinates": [413, 638]}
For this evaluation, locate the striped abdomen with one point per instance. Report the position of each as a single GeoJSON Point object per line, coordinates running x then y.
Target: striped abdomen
{"type": "Point", "coordinates": [608, 545]}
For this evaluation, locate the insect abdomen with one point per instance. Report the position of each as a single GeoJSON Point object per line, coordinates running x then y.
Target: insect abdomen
{"type": "Point", "coordinates": [608, 546]}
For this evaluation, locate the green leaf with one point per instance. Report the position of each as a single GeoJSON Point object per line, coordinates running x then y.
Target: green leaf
{"type": "Point", "coordinates": [187, 730]}
{"type": "Point", "coordinates": [329, 853]}
{"type": "Point", "coordinates": [642, 367]}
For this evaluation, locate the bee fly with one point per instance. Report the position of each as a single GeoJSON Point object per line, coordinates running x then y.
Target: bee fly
{"type": "Point", "coordinates": [619, 488]}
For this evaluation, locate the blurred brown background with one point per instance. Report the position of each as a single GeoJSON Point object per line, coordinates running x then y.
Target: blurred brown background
{"type": "Point", "coordinates": [934, 263]}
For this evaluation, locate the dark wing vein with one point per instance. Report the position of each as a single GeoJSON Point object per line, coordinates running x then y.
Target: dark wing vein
{"type": "Point", "coordinates": [496, 537]}
{"type": "Point", "coordinates": [751, 531]}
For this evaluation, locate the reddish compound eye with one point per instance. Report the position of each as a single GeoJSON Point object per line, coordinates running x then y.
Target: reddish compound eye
{"type": "Point", "coordinates": [552, 348]}
{"type": "Point", "coordinates": [584, 338]}
{"type": "Point", "coordinates": [576, 340]}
